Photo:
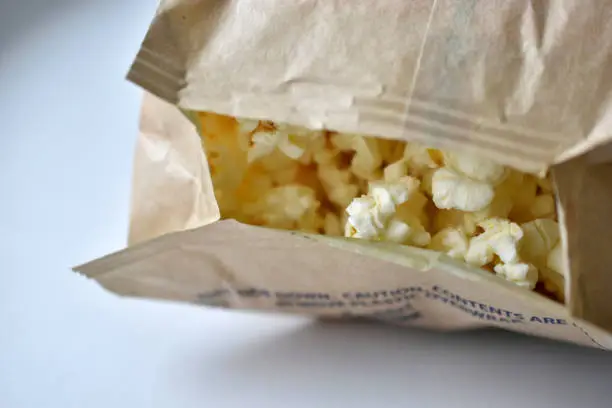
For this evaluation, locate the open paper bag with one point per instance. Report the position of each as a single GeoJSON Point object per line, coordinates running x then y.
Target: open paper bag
{"type": "Point", "coordinates": [526, 83]}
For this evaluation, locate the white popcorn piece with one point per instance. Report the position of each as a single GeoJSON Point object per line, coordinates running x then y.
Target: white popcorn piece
{"type": "Point", "coordinates": [451, 241]}
{"type": "Point", "coordinates": [500, 207]}
{"type": "Point", "coordinates": [264, 143]}
{"type": "Point", "coordinates": [500, 237]}
{"type": "Point", "coordinates": [309, 141]}
{"type": "Point", "coordinates": [475, 167]}
{"type": "Point", "coordinates": [364, 221]}
{"type": "Point", "coordinates": [539, 238]}
{"type": "Point", "coordinates": [522, 274]}
{"type": "Point", "coordinates": [398, 192]}
{"type": "Point", "coordinates": [454, 191]}
{"type": "Point", "coordinates": [397, 231]}
{"type": "Point", "coordinates": [374, 217]}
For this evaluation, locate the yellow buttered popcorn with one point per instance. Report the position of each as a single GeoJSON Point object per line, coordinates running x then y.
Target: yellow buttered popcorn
{"type": "Point", "coordinates": [265, 143]}
{"type": "Point", "coordinates": [520, 273]}
{"type": "Point", "coordinates": [367, 159]}
{"type": "Point", "coordinates": [395, 170]}
{"type": "Point", "coordinates": [554, 275]}
{"type": "Point", "coordinates": [543, 206]}
{"type": "Point", "coordinates": [451, 241]}
{"type": "Point", "coordinates": [289, 207]}
{"type": "Point", "coordinates": [500, 238]}
{"type": "Point", "coordinates": [420, 159]}
{"type": "Point", "coordinates": [337, 183]}
{"type": "Point", "coordinates": [539, 238]}
{"type": "Point", "coordinates": [343, 184]}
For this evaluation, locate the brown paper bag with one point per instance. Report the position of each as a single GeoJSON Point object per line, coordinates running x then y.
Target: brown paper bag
{"type": "Point", "coordinates": [527, 83]}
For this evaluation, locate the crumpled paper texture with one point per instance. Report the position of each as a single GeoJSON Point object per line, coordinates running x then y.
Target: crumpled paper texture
{"type": "Point", "coordinates": [522, 81]}
{"type": "Point", "coordinates": [526, 82]}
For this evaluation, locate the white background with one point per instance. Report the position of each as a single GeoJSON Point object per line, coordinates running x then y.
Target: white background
{"type": "Point", "coordinates": [68, 122]}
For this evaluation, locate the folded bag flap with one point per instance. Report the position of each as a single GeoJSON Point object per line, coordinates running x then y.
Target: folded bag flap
{"type": "Point", "coordinates": [331, 277]}
{"type": "Point", "coordinates": [585, 197]}
{"type": "Point", "coordinates": [527, 83]}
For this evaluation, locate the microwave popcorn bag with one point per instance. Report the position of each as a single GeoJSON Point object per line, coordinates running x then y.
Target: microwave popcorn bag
{"type": "Point", "coordinates": [473, 104]}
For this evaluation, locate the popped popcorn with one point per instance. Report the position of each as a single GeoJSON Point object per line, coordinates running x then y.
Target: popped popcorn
{"type": "Point", "coordinates": [451, 241]}
{"type": "Point", "coordinates": [427, 181]}
{"type": "Point", "coordinates": [395, 171]}
{"type": "Point", "coordinates": [416, 234]}
{"type": "Point", "coordinates": [539, 238]}
{"type": "Point", "coordinates": [288, 206]}
{"type": "Point", "coordinates": [367, 159]}
{"type": "Point", "coordinates": [265, 143]}
{"type": "Point", "coordinates": [500, 237]}
{"type": "Point", "coordinates": [453, 190]}
{"type": "Point", "coordinates": [374, 216]}
{"type": "Point", "coordinates": [420, 158]}
{"type": "Point", "coordinates": [397, 192]}
{"type": "Point", "coordinates": [522, 274]}
{"type": "Point", "coordinates": [391, 150]}
{"type": "Point", "coordinates": [337, 184]}
{"type": "Point", "coordinates": [468, 207]}
{"type": "Point", "coordinates": [475, 167]}
{"type": "Point", "coordinates": [364, 221]}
